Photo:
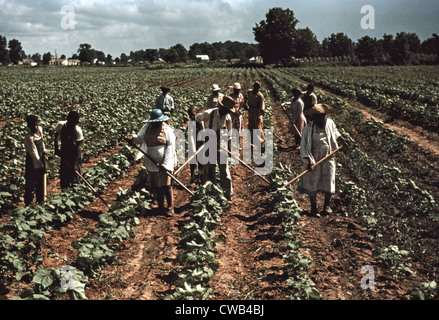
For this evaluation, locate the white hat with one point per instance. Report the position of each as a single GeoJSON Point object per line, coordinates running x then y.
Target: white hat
{"type": "Point", "coordinates": [236, 85]}
{"type": "Point", "coordinates": [215, 87]}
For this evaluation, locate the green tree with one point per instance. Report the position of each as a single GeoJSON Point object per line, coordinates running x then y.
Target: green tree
{"type": "Point", "coordinates": [369, 49]}
{"type": "Point", "coordinates": [338, 45]}
{"type": "Point", "coordinates": [86, 53]}
{"type": "Point", "coordinates": [171, 55]}
{"type": "Point", "coordinates": [431, 45]}
{"type": "Point", "coordinates": [15, 50]}
{"type": "Point", "coordinates": [123, 58]}
{"type": "Point", "coordinates": [4, 53]}
{"type": "Point", "coordinates": [151, 55]}
{"type": "Point", "coordinates": [275, 35]}
{"type": "Point", "coordinates": [306, 43]}
{"type": "Point", "coordinates": [181, 51]}
{"type": "Point", "coordinates": [36, 57]}
{"type": "Point", "coordinates": [46, 58]}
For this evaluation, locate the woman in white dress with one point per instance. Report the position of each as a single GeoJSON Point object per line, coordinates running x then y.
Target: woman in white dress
{"type": "Point", "coordinates": [157, 139]}
{"type": "Point", "coordinates": [319, 139]}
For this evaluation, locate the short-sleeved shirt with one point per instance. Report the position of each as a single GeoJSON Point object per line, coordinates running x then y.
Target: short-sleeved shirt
{"type": "Point", "coordinates": [78, 130]}
{"type": "Point", "coordinates": [164, 103]}
{"type": "Point", "coordinates": [256, 101]}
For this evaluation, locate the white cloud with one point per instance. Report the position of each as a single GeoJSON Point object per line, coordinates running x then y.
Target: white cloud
{"type": "Point", "coordinates": [128, 25]}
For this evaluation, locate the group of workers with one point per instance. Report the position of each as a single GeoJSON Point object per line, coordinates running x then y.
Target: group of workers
{"type": "Point", "coordinates": [314, 131]}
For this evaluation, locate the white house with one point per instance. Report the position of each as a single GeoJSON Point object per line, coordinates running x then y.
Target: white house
{"type": "Point", "coordinates": [202, 57]}
{"type": "Point", "coordinates": [256, 59]}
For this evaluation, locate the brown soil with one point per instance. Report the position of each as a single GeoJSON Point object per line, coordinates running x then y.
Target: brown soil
{"type": "Point", "coordinates": [250, 263]}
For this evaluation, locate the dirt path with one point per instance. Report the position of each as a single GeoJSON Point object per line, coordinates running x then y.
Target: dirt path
{"type": "Point", "coordinates": [250, 262]}
{"type": "Point", "coordinates": [339, 247]}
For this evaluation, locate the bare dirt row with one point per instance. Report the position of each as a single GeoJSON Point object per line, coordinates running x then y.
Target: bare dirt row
{"type": "Point", "coordinates": [250, 263]}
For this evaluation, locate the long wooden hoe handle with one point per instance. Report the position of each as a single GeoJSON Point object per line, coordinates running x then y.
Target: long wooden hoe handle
{"type": "Point", "coordinates": [245, 164]}
{"type": "Point", "coordinates": [89, 185]}
{"type": "Point", "coordinates": [189, 159]}
{"type": "Point", "coordinates": [312, 167]}
{"type": "Point", "coordinates": [294, 125]}
{"type": "Point", "coordinates": [162, 168]}
{"type": "Point", "coordinates": [93, 189]}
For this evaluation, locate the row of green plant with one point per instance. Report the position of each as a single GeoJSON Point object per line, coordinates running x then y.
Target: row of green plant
{"type": "Point", "coordinates": [297, 265]}
{"type": "Point", "coordinates": [197, 263]}
{"type": "Point", "coordinates": [22, 236]}
{"type": "Point", "coordinates": [404, 192]}
{"type": "Point", "coordinates": [411, 197]}
{"type": "Point", "coordinates": [390, 102]}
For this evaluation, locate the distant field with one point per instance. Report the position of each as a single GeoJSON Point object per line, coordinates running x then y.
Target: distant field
{"type": "Point", "coordinates": [385, 214]}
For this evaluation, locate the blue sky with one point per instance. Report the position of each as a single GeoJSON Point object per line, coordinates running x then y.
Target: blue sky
{"type": "Point", "coordinates": [117, 27]}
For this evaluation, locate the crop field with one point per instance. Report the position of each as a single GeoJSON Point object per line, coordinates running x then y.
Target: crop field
{"type": "Point", "coordinates": [262, 246]}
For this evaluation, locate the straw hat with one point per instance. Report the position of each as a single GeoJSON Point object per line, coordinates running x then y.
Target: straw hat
{"type": "Point", "coordinates": [215, 87]}
{"type": "Point", "coordinates": [319, 108]}
{"type": "Point", "coordinates": [257, 85]}
{"type": "Point", "coordinates": [236, 85]}
{"type": "Point", "coordinates": [228, 102]}
{"type": "Point", "coordinates": [157, 115]}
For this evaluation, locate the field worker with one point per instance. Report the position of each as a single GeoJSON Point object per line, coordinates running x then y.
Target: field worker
{"type": "Point", "coordinates": [165, 102]}
{"type": "Point", "coordinates": [319, 140]}
{"type": "Point", "coordinates": [309, 98]}
{"type": "Point", "coordinates": [239, 98]}
{"type": "Point", "coordinates": [157, 139]}
{"type": "Point", "coordinates": [195, 168]}
{"type": "Point", "coordinates": [255, 104]}
{"type": "Point", "coordinates": [71, 137]}
{"type": "Point", "coordinates": [215, 96]}
{"type": "Point", "coordinates": [297, 117]}
{"type": "Point", "coordinates": [218, 119]}
{"type": "Point", "coordinates": [35, 168]}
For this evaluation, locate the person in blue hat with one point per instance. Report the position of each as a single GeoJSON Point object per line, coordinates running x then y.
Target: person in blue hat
{"type": "Point", "coordinates": [157, 139]}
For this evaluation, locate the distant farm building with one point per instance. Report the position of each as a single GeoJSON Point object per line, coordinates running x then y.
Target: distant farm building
{"type": "Point", "coordinates": [202, 57]}
{"type": "Point", "coordinates": [64, 62]}
{"type": "Point", "coordinates": [256, 60]}
{"type": "Point", "coordinates": [28, 62]}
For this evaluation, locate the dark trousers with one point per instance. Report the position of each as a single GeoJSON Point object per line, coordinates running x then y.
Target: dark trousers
{"type": "Point", "coordinates": [34, 186]}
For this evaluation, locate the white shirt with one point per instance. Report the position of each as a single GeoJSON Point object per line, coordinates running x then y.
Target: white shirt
{"type": "Point", "coordinates": [164, 103]}
{"type": "Point", "coordinates": [29, 144]}
{"type": "Point", "coordinates": [164, 155]}
{"type": "Point", "coordinates": [79, 133]}
{"type": "Point", "coordinates": [218, 122]}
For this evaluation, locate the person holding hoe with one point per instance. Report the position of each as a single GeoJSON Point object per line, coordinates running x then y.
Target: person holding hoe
{"type": "Point", "coordinates": [157, 140]}
{"type": "Point", "coordinates": [35, 168]}
{"type": "Point", "coordinates": [165, 102]}
{"type": "Point", "coordinates": [71, 137]}
{"type": "Point", "coordinates": [319, 140]}
{"type": "Point", "coordinates": [298, 120]}
{"type": "Point", "coordinates": [219, 119]}
{"type": "Point", "coordinates": [255, 104]}
{"type": "Point", "coordinates": [215, 96]}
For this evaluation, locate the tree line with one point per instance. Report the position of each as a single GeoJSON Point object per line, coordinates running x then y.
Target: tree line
{"type": "Point", "coordinates": [278, 42]}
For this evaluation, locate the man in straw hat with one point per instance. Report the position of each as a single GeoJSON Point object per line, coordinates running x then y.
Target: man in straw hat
{"type": "Point", "coordinates": [255, 104]}
{"type": "Point", "coordinates": [239, 101]}
{"type": "Point", "coordinates": [219, 119]}
{"type": "Point", "coordinates": [157, 139]}
{"type": "Point", "coordinates": [165, 102]}
{"type": "Point", "coordinates": [319, 139]}
{"type": "Point", "coordinates": [297, 117]}
{"type": "Point", "coordinates": [215, 96]}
